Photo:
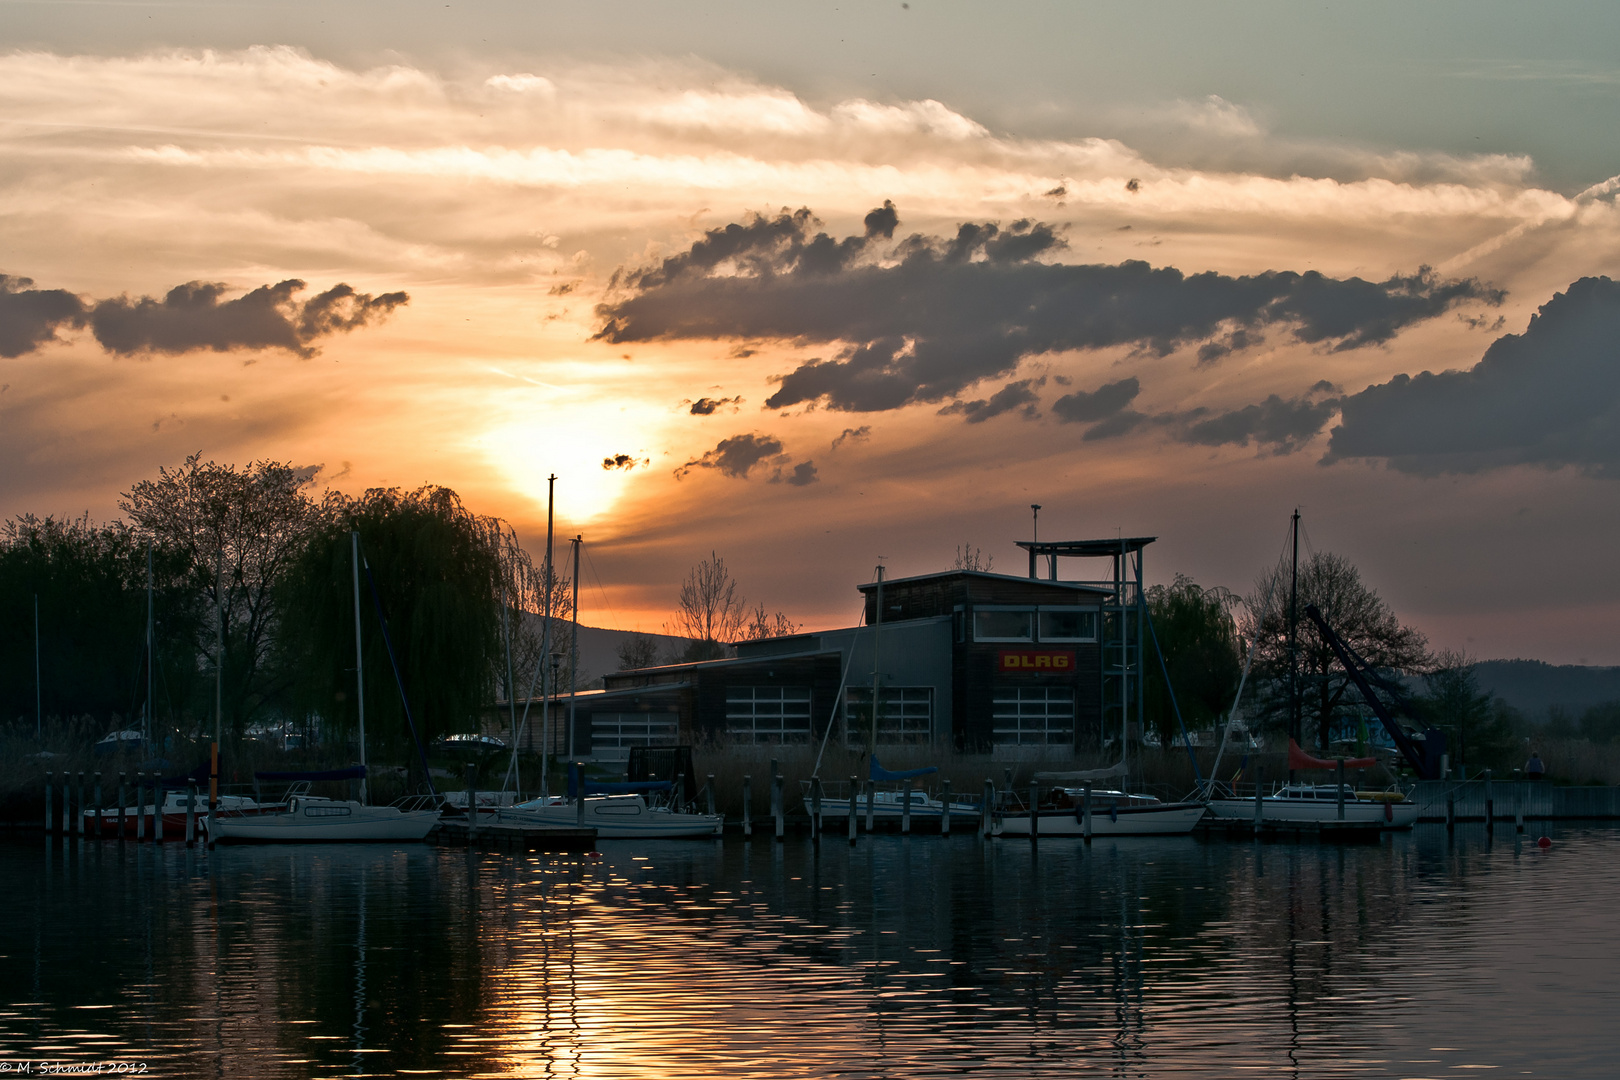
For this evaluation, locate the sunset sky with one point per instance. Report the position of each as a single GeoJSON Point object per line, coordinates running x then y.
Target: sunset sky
{"type": "Point", "coordinates": [825, 284]}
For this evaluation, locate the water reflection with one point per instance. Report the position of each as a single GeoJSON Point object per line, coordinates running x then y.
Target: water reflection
{"type": "Point", "coordinates": [897, 957]}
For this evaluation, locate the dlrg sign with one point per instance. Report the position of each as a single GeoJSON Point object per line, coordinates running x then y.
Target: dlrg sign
{"type": "Point", "coordinates": [1036, 661]}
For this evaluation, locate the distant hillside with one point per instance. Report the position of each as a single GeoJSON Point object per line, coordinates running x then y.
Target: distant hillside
{"type": "Point", "coordinates": [1533, 686]}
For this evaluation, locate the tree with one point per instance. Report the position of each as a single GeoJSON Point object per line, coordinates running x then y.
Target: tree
{"type": "Point", "coordinates": [236, 532]}
{"type": "Point", "coordinates": [709, 610]}
{"type": "Point", "coordinates": [1478, 727]}
{"type": "Point", "coordinates": [1354, 611]}
{"type": "Point", "coordinates": [638, 651]}
{"type": "Point", "coordinates": [969, 557]}
{"type": "Point", "coordinates": [437, 573]}
{"type": "Point", "coordinates": [763, 625]}
{"type": "Point", "coordinates": [1198, 638]}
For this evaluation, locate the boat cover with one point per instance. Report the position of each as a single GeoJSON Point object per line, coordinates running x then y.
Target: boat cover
{"type": "Point", "coordinates": [593, 787]}
{"type": "Point", "coordinates": [1083, 775]}
{"type": "Point", "coordinates": [353, 772]}
{"type": "Point", "coordinates": [1299, 759]}
{"type": "Point", "coordinates": [879, 773]}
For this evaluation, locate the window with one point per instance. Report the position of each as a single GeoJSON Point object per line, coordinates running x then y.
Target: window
{"type": "Point", "coordinates": [906, 715]}
{"type": "Point", "coordinates": [992, 624]}
{"type": "Point", "coordinates": [768, 714]}
{"type": "Point", "coordinates": [1068, 624]}
{"type": "Point", "coordinates": [624, 730]}
{"type": "Point", "coordinates": [1033, 715]}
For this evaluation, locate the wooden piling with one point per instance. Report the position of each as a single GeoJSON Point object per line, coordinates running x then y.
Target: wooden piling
{"type": "Point", "coordinates": [854, 818]}
{"type": "Point", "coordinates": [98, 806]}
{"type": "Point", "coordinates": [1518, 806]}
{"type": "Point", "coordinates": [871, 804]}
{"type": "Point", "coordinates": [472, 803]}
{"type": "Point", "coordinates": [1490, 804]}
{"type": "Point", "coordinates": [579, 803]}
{"type": "Point", "coordinates": [191, 815]}
{"type": "Point", "coordinates": [157, 808]}
{"type": "Point", "coordinates": [80, 826]}
{"type": "Point", "coordinates": [905, 805]}
{"type": "Point", "coordinates": [777, 810]}
{"type": "Point", "coordinates": [1341, 789]}
{"type": "Point", "coordinates": [1451, 809]}
{"type": "Point", "coordinates": [710, 788]}
{"type": "Point", "coordinates": [945, 808]}
{"type": "Point", "coordinates": [1259, 792]}
{"type": "Point", "coordinates": [123, 777]}
{"type": "Point", "coordinates": [815, 808]}
{"type": "Point", "coordinates": [1085, 813]}
{"type": "Point", "coordinates": [748, 805]}
{"type": "Point", "coordinates": [986, 823]}
{"type": "Point", "coordinates": [48, 822]}
{"type": "Point", "coordinates": [1034, 812]}
{"type": "Point", "coordinates": [140, 806]}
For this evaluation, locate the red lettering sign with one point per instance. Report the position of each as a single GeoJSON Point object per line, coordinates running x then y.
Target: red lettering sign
{"type": "Point", "coordinates": [1036, 661]}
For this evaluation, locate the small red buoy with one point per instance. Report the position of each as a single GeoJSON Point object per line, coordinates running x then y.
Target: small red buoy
{"type": "Point", "coordinates": [1544, 842]}
{"type": "Point", "coordinates": [598, 854]}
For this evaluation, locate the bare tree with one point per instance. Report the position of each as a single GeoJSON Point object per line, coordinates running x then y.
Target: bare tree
{"type": "Point", "coordinates": [638, 651]}
{"type": "Point", "coordinates": [763, 624]}
{"type": "Point", "coordinates": [969, 557]}
{"type": "Point", "coordinates": [1356, 613]}
{"type": "Point", "coordinates": [709, 610]}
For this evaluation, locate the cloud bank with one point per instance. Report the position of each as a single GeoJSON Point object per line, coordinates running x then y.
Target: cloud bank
{"type": "Point", "coordinates": [189, 318]}
{"type": "Point", "coordinates": [927, 318]}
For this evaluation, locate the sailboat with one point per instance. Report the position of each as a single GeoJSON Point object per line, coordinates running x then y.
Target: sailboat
{"type": "Point", "coordinates": [315, 818]}
{"type": "Point", "coordinates": [615, 811]}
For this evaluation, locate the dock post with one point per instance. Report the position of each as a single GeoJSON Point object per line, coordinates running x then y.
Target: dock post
{"type": "Point", "coordinates": [472, 803]}
{"type": "Point", "coordinates": [777, 809]}
{"type": "Point", "coordinates": [1085, 813]}
{"type": "Point", "coordinates": [140, 806]}
{"type": "Point", "coordinates": [122, 777]}
{"type": "Point", "coordinates": [579, 803]}
{"type": "Point", "coordinates": [871, 804]}
{"type": "Point", "coordinates": [815, 807]}
{"type": "Point", "coordinates": [945, 808]}
{"type": "Point", "coordinates": [48, 821]}
{"type": "Point", "coordinates": [1451, 809]}
{"type": "Point", "coordinates": [905, 805]}
{"type": "Point", "coordinates": [1490, 804]}
{"type": "Point", "coordinates": [1341, 789]}
{"type": "Point", "coordinates": [99, 831]}
{"type": "Point", "coordinates": [79, 825]}
{"type": "Point", "coordinates": [986, 824]}
{"type": "Point", "coordinates": [711, 794]}
{"type": "Point", "coordinates": [748, 805]}
{"type": "Point", "coordinates": [191, 814]}
{"type": "Point", "coordinates": [1259, 789]}
{"type": "Point", "coordinates": [157, 807]}
{"type": "Point", "coordinates": [854, 816]}
{"type": "Point", "coordinates": [1518, 806]}
{"type": "Point", "coordinates": [1034, 812]}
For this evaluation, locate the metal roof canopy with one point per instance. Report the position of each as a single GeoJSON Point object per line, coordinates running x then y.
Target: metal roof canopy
{"type": "Point", "coordinates": [1115, 549]}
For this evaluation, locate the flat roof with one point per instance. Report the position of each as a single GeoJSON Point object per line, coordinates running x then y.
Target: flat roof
{"type": "Point", "coordinates": [1086, 548]}
{"type": "Point", "coordinates": [1022, 579]}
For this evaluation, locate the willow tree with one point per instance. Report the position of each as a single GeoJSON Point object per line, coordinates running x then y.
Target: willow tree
{"type": "Point", "coordinates": [437, 573]}
{"type": "Point", "coordinates": [1198, 639]}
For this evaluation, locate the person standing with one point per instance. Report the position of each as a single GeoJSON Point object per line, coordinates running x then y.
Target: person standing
{"type": "Point", "coordinates": [1534, 769]}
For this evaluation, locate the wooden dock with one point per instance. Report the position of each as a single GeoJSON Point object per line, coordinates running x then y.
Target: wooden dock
{"type": "Point", "coordinates": [505, 835]}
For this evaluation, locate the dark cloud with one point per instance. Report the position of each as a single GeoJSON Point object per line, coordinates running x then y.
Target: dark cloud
{"type": "Point", "coordinates": [801, 475]}
{"type": "Point", "coordinates": [1549, 397]}
{"type": "Point", "coordinates": [882, 221]}
{"type": "Point", "coordinates": [1020, 394]}
{"type": "Point", "coordinates": [1282, 425]}
{"type": "Point", "coordinates": [1118, 424]}
{"type": "Point", "coordinates": [935, 316]}
{"type": "Point", "coordinates": [624, 461]}
{"type": "Point", "coordinates": [1081, 407]}
{"type": "Point", "coordinates": [30, 317]}
{"type": "Point", "coordinates": [706, 406]}
{"type": "Point", "coordinates": [853, 434]}
{"type": "Point", "coordinates": [736, 456]}
{"type": "Point", "coordinates": [192, 317]}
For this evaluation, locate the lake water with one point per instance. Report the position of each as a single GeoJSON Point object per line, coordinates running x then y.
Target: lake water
{"type": "Point", "coordinates": [1423, 956]}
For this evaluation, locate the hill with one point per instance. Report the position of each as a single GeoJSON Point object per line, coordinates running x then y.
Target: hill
{"type": "Point", "coordinates": [1534, 686]}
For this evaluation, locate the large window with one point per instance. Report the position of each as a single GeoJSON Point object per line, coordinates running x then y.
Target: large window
{"type": "Point", "coordinates": [768, 714]}
{"type": "Point", "coordinates": [1068, 624]}
{"type": "Point", "coordinates": [1033, 715]}
{"type": "Point", "coordinates": [624, 730]}
{"type": "Point", "coordinates": [905, 715]}
{"type": "Point", "coordinates": [994, 624]}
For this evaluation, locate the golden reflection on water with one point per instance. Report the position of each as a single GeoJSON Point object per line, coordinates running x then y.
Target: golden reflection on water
{"type": "Point", "coordinates": [897, 957]}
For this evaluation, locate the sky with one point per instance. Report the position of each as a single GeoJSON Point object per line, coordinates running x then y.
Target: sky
{"type": "Point", "coordinates": [812, 286]}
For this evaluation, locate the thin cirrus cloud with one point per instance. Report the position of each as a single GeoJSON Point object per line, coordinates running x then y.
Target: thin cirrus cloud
{"type": "Point", "coordinates": [925, 319]}
{"type": "Point", "coordinates": [189, 318]}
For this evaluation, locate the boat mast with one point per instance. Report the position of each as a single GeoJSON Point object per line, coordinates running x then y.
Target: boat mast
{"type": "Point", "coordinates": [877, 631]}
{"type": "Point", "coordinates": [1295, 730]}
{"type": "Point", "coordinates": [506, 636]}
{"type": "Point", "coordinates": [219, 650]}
{"type": "Point", "coordinates": [39, 689]}
{"type": "Point", "coordinates": [359, 657]}
{"type": "Point", "coordinates": [545, 647]}
{"type": "Point", "coordinates": [573, 648]}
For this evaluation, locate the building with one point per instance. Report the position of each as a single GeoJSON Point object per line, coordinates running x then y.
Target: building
{"type": "Point", "coordinates": [974, 661]}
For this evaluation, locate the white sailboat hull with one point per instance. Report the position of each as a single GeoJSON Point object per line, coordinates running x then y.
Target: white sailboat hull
{"type": "Point", "coordinates": [1172, 819]}
{"type": "Point", "coordinates": [327, 821]}
{"type": "Point", "coordinates": [618, 817]}
{"type": "Point", "coordinates": [1391, 815]}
